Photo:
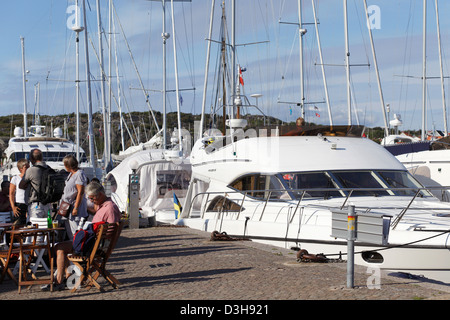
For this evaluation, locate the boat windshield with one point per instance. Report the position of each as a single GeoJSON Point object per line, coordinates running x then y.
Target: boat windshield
{"type": "Point", "coordinates": [329, 184]}
{"type": "Point", "coordinates": [48, 156]}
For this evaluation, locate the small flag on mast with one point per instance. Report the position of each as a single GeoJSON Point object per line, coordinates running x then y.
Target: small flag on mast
{"type": "Point", "coordinates": [241, 79]}
{"type": "Point", "coordinates": [177, 206]}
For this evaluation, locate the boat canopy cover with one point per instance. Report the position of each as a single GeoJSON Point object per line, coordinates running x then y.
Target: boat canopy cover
{"type": "Point", "coordinates": [159, 180]}
{"type": "Point", "coordinates": [403, 148]}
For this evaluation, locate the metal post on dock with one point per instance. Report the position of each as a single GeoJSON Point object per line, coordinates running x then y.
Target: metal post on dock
{"type": "Point", "coordinates": [362, 226]}
{"type": "Point", "coordinates": [351, 224]}
{"type": "Point", "coordinates": [133, 196]}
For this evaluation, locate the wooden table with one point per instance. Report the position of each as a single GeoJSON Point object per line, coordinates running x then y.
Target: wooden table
{"type": "Point", "coordinates": [20, 235]}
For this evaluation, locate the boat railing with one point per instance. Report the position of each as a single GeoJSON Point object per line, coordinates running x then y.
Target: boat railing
{"type": "Point", "coordinates": [226, 202]}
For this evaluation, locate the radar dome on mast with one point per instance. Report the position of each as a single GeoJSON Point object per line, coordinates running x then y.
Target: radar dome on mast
{"type": "Point", "coordinates": [18, 132]}
{"type": "Point", "coordinates": [57, 132]}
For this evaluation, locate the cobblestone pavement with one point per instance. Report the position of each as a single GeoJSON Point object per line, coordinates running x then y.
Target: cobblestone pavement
{"type": "Point", "coordinates": [164, 263]}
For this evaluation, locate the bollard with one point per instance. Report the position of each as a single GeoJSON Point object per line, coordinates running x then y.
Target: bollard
{"type": "Point", "coordinates": [351, 226]}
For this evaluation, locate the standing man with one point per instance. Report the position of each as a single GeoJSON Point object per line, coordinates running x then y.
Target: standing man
{"type": "Point", "coordinates": [33, 177]}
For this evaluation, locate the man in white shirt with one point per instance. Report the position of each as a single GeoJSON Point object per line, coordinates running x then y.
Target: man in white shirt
{"type": "Point", "coordinates": [19, 197]}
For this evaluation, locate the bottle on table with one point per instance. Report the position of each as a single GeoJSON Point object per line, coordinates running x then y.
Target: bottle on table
{"type": "Point", "coordinates": [49, 219]}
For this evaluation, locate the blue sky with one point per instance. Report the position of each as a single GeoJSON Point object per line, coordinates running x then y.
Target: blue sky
{"type": "Point", "coordinates": [272, 66]}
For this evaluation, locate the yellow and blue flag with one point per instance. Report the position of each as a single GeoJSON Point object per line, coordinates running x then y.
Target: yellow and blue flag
{"type": "Point", "coordinates": [177, 206]}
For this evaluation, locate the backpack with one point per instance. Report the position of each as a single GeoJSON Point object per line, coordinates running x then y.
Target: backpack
{"type": "Point", "coordinates": [52, 185]}
{"type": "Point", "coordinates": [84, 240]}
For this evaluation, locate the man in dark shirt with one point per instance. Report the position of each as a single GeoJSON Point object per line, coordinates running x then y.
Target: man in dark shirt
{"type": "Point", "coordinates": [33, 177]}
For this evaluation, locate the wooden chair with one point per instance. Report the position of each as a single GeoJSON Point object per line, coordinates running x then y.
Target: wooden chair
{"type": "Point", "coordinates": [9, 256]}
{"type": "Point", "coordinates": [102, 256]}
{"type": "Point", "coordinates": [5, 217]}
{"type": "Point", "coordinates": [27, 250]}
{"type": "Point", "coordinates": [42, 224]}
{"type": "Point", "coordinates": [84, 263]}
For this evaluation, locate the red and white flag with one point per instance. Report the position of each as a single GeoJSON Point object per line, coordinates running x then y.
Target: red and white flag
{"type": "Point", "coordinates": [241, 79]}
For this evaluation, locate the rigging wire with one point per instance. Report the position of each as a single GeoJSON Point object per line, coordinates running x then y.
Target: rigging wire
{"type": "Point", "coordinates": [402, 101]}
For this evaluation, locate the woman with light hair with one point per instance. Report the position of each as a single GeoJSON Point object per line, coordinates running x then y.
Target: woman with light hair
{"type": "Point", "coordinates": [74, 194]}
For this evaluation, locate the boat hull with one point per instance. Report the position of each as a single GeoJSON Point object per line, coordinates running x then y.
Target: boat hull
{"type": "Point", "coordinates": [406, 252]}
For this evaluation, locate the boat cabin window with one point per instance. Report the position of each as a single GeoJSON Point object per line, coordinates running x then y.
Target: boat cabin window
{"type": "Point", "coordinates": [16, 156]}
{"type": "Point", "coordinates": [59, 156]}
{"type": "Point", "coordinates": [397, 179]}
{"type": "Point", "coordinates": [222, 204]}
{"type": "Point", "coordinates": [326, 184]}
{"type": "Point", "coordinates": [49, 156]}
{"type": "Point", "coordinates": [261, 186]}
{"type": "Point", "coordinates": [360, 180]}
{"type": "Point", "coordinates": [315, 184]}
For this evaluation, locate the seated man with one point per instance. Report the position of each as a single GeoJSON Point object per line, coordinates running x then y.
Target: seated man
{"type": "Point", "coordinates": [107, 211]}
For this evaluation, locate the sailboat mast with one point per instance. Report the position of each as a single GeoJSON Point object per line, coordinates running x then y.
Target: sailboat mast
{"type": "Point", "coordinates": [444, 107]}
{"type": "Point", "coordinates": [25, 124]}
{"type": "Point", "coordinates": [205, 83]}
{"type": "Point", "coordinates": [77, 28]}
{"type": "Point", "coordinates": [180, 142]}
{"type": "Point", "coordinates": [233, 54]}
{"type": "Point", "coordinates": [224, 68]}
{"type": "Point", "coordinates": [106, 150]}
{"type": "Point", "coordinates": [37, 91]}
{"type": "Point", "coordinates": [110, 18]}
{"type": "Point", "coordinates": [327, 97]}
{"type": "Point", "coordinates": [165, 36]}
{"type": "Point", "coordinates": [302, 84]}
{"type": "Point", "coordinates": [347, 64]}
{"type": "Point", "coordinates": [424, 70]}
{"type": "Point", "coordinates": [89, 96]}
{"type": "Point", "coordinates": [383, 109]}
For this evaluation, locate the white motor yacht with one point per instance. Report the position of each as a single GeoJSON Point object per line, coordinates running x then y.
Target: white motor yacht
{"type": "Point", "coordinates": [54, 150]}
{"type": "Point", "coordinates": [282, 190]}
